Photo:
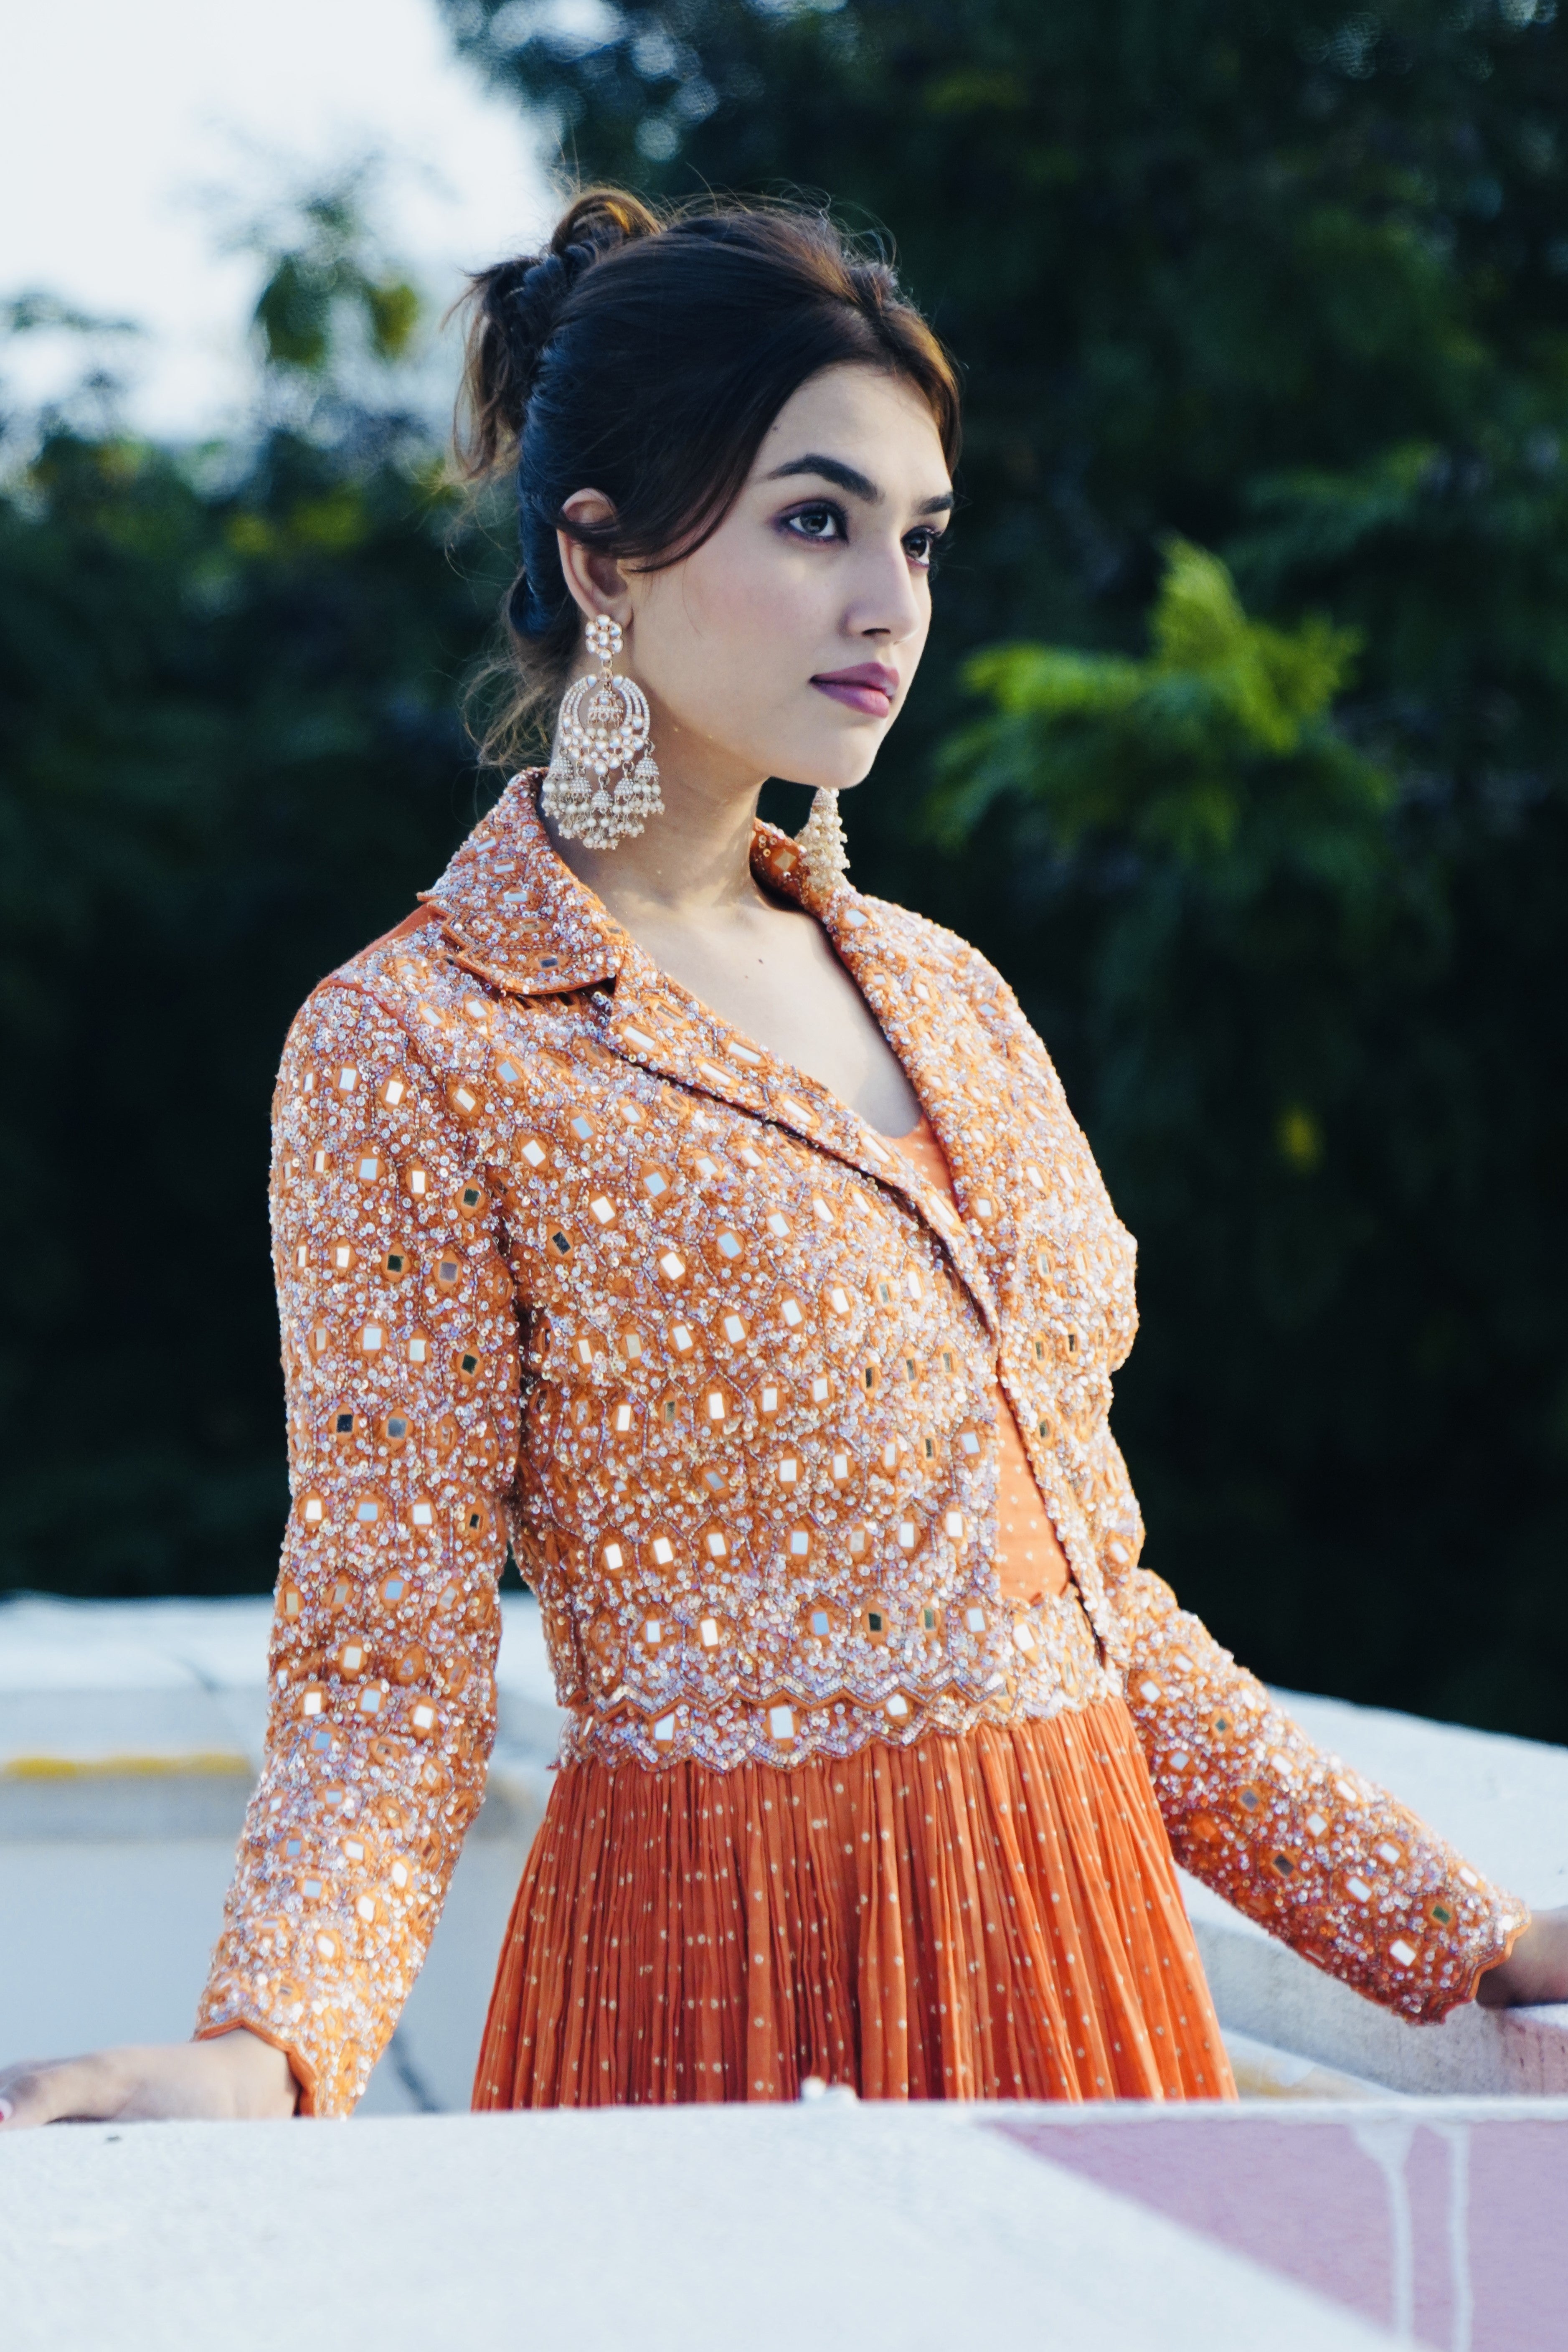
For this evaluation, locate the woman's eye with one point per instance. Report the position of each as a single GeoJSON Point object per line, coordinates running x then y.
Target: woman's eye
{"type": "Point", "coordinates": [921, 548]}
{"type": "Point", "coordinates": [817, 522]}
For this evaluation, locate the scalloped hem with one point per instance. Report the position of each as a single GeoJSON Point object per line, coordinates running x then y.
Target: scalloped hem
{"type": "Point", "coordinates": [1461, 1999]}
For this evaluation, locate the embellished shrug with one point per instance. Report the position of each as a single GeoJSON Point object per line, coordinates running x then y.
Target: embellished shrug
{"type": "Point", "coordinates": [567, 1263]}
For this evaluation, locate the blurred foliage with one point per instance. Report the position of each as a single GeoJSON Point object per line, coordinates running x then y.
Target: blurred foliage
{"type": "Point", "coordinates": [328, 284]}
{"type": "Point", "coordinates": [1238, 746]}
{"type": "Point", "coordinates": [229, 753]}
{"type": "Point", "coordinates": [1219, 745]}
{"type": "Point", "coordinates": [1279, 868]}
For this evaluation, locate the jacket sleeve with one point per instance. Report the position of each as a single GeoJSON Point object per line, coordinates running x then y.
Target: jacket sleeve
{"type": "Point", "coordinates": [400, 1359]}
{"type": "Point", "coordinates": [1295, 1839]}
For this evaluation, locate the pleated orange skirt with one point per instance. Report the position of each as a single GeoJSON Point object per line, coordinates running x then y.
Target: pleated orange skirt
{"type": "Point", "coordinates": [992, 1916]}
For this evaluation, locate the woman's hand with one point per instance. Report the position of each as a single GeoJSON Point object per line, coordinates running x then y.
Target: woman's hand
{"type": "Point", "coordinates": [1535, 1971]}
{"type": "Point", "coordinates": [234, 2076]}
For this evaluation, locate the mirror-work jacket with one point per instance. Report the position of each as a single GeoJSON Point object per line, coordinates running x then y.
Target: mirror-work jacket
{"type": "Point", "coordinates": [564, 1261]}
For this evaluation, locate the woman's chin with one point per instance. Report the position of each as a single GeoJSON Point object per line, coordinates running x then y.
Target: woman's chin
{"type": "Point", "coordinates": [831, 773]}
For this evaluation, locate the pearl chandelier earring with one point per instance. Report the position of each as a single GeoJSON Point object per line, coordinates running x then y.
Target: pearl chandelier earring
{"type": "Point", "coordinates": [604, 726]}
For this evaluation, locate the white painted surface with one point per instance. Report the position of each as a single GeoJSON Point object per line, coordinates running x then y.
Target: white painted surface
{"type": "Point", "coordinates": [97, 1683]}
{"type": "Point", "coordinates": [108, 1942]}
{"type": "Point", "coordinates": [112, 1876]}
{"type": "Point", "coordinates": [176, 1684]}
{"type": "Point", "coordinates": [1264, 2072]}
{"type": "Point", "coordinates": [684, 2230]}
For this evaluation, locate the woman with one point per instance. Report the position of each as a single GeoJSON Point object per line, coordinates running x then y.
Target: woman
{"type": "Point", "coordinates": [719, 1237]}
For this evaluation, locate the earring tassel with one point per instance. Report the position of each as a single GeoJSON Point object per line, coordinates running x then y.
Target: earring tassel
{"type": "Point", "coordinates": [822, 845]}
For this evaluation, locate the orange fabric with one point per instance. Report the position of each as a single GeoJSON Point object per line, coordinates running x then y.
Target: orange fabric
{"type": "Point", "coordinates": [1030, 1561]}
{"type": "Point", "coordinates": [566, 1264]}
{"type": "Point", "coordinates": [991, 1917]}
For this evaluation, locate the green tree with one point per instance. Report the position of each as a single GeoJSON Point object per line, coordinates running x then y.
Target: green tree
{"type": "Point", "coordinates": [1294, 288]}
{"type": "Point", "coordinates": [1272, 838]}
{"type": "Point", "coordinates": [230, 754]}
{"type": "Point", "coordinates": [326, 283]}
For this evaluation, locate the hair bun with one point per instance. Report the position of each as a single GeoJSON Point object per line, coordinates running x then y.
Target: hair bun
{"type": "Point", "coordinates": [529, 308]}
{"type": "Point", "coordinates": [602, 218]}
{"type": "Point", "coordinates": [517, 307]}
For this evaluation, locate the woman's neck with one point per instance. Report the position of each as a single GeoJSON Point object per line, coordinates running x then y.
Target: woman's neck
{"type": "Point", "coordinates": [684, 890]}
{"type": "Point", "coordinates": [692, 865]}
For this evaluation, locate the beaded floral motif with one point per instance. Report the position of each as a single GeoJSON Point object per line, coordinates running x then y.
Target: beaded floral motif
{"type": "Point", "coordinates": [564, 1258]}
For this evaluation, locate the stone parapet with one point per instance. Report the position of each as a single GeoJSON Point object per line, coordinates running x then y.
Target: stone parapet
{"type": "Point", "coordinates": [694, 2229]}
{"type": "Point", "coordinates": [129, 1734]}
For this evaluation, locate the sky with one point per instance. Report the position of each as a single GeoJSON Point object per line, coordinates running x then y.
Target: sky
{"type": "Point", "coordinates": [142, 136]}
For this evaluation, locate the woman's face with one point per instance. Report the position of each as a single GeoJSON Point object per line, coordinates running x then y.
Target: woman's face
{"type": "Point", "coordinates": [785, 645]}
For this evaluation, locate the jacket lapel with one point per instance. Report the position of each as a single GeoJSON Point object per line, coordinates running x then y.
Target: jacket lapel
{"type": "Point", "coordinates": [516, 914]}
{"type": "Point", "coordinates": [920, 1032]}
{"type": "Point", "coordinates": [519, 918]}
{"type": "Point", "coordinates": [653, 1021]}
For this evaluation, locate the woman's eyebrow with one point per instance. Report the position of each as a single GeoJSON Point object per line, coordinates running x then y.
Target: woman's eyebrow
{"type": "Point", "coordinates": [850, 478]}
{"type": "Point", "coordinates": [832, 469]}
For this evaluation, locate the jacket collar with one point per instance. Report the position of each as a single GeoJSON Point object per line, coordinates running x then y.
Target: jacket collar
{"type": "Point", "coordinates": [516, 914]}
{"type": "Point", "coordinates": [519, 918]}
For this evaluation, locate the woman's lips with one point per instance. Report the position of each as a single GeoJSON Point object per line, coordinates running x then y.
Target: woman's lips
{"type": "Point", "coordinates": [869, 688]}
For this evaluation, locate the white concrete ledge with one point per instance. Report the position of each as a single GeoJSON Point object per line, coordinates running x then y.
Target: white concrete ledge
{"type": "Point", "coordinates": [141, 1722]}
{"type": "Point", "coordinates": [1197, 2228]}
{"type": "Point", "coordinates": [698, 2229]}
{"type": "Point", "coordinates": [145, 1718]}
{"type": "Point", "coordinates": [129, 1734]}
{"type": "Point", "coordinates": [1262, 1988]}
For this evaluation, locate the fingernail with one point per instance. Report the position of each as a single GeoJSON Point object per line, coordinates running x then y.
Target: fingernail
{"type": "Point", "coordinates": [6, 2109]}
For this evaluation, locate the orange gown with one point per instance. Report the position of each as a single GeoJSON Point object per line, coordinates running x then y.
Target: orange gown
{"type": "Point", "coordinates": [994, 1916]}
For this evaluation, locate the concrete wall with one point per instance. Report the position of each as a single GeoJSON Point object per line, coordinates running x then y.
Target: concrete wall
{"type": "Point", "coordinates": [1122, 2229]}
{"type": "Point", "coordinates": [129, 1734]}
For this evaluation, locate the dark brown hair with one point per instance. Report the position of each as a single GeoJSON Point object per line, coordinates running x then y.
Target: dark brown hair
{"type": "Point", "coordinates": [646, 355]}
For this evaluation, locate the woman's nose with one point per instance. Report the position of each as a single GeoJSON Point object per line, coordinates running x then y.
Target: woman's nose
{"type": "Point", "coordinates": [888, 604]}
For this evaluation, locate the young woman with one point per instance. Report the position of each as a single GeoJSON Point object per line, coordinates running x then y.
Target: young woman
{"type": "Point", "coordinates": [718, 1238]}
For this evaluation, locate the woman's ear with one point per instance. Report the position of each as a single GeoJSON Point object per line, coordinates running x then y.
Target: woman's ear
{"type": "Point", "coordinates": [595, 579]}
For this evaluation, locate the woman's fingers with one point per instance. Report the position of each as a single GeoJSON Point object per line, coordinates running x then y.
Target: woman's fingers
{"type": "Point", "coordinates": [46, 2091]}
{"type": "Point", "coordinates": [234, 2075]}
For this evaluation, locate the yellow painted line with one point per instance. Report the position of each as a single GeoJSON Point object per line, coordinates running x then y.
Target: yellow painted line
{"type": "Point", "coordinates": [65, 1767]}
